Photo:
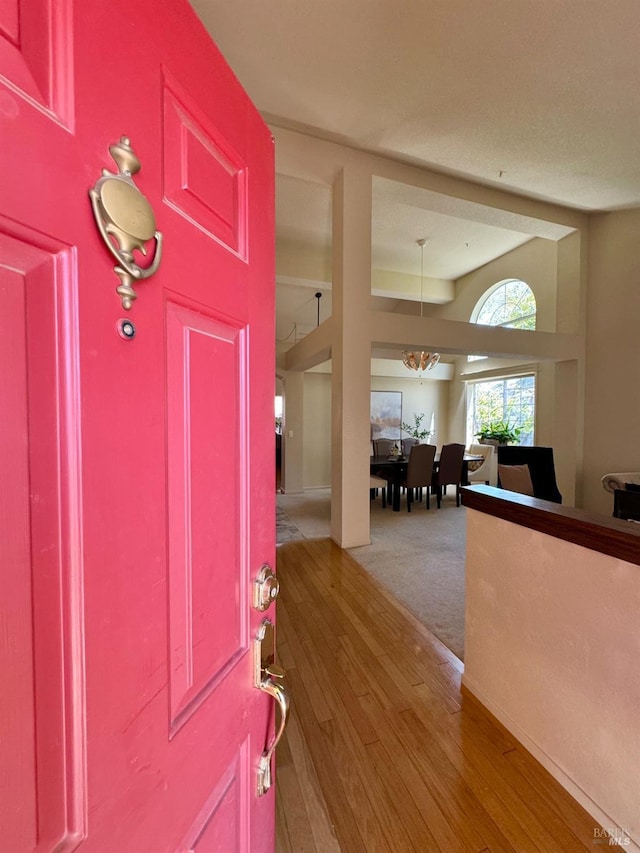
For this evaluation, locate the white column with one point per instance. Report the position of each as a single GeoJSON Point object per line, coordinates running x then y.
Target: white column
{"type": "Point", "coordinates": [351, 357]}
{"type": "Point", "coordinates": [569, 376]}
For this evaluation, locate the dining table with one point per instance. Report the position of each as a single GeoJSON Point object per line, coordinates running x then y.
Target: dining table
{"type": "Point", "coordinates": [398, 465]}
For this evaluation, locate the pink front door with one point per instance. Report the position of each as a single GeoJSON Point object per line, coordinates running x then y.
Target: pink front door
{"type": "Point", "coordinates": [136, 474]}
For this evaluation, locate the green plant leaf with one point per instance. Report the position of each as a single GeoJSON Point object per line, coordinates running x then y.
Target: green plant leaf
{"type": "Point", "coordinates": [500, 431]}
{"type": "Point", "coordinates": [416, 430]}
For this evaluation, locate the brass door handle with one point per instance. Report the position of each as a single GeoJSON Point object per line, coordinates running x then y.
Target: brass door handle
{"type": "Point", "coordinates": [272, 685]}
{"type": "Point", "coordinates": [269, 678]}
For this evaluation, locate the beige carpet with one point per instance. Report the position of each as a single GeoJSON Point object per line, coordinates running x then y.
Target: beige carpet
{"type": "Point", "coordinates": [418, 556]}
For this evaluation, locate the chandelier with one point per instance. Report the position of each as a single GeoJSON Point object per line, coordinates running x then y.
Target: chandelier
{"type": "Point", "coordinates": [420, 361]}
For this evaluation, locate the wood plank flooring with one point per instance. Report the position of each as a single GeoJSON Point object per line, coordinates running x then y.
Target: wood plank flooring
{"type": "Point", "coordinates": [383, 752]}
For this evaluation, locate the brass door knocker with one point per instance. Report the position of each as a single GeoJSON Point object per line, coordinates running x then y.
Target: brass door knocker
{"type": "Point", "coordinates": [121, 211]}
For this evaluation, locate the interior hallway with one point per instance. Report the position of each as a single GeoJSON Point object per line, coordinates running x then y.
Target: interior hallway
{"type": "Point", "coordinates": [382, 751]}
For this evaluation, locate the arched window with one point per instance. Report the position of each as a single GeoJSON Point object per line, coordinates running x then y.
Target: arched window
{"type": "Point", "coordinates": [509, 303]}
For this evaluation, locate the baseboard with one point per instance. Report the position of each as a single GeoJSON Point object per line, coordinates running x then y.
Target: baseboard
{"type": "Point", "coordinates": [303, 491]}
{"type": "Point", "coordinates": [601, 817]}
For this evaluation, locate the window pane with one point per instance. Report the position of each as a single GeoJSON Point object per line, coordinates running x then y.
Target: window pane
{"type": "Point", "coordinates": [512, 304]}
{"type": "Point", "coordinates": [507, 400]}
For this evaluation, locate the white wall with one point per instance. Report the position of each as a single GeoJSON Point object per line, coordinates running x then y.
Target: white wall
{"type": "Point", "coordinates": [293, 432]}
{"type": "Point", "coordinates": [612, 396]}
{"type": "Point", "coordinates": [304, 260]}
{"type": "Point", "coordinates": [536, 262]}
{"type": "Point", "coordinates": [418, 396]}
{"type": "Point", "coordinates": [316, 445]}
{"type": "Point", "coordinates": [555, 270]}
{"type": "Point", "coordinates": [552, 648]}
{"type": "Point", "coordinates": [426, 396]}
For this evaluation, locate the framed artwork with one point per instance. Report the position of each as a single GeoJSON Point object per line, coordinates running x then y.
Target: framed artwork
{"type": "Point", "coordinates": [386, 414]}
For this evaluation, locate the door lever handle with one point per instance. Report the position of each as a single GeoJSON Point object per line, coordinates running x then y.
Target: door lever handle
{"type": "Point", "coordinates": [272, 685]}
{"type": "Point", "coordinates": [269, 678]}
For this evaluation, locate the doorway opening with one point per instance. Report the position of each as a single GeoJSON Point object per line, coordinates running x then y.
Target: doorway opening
{"type": "Point", "coordinates": [278, 426]}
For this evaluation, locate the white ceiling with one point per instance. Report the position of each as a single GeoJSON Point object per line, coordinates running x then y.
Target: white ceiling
{"type": "Point", "coordinates": [545, 91]}
{"type": "Point", "coordinates": [540, 97]}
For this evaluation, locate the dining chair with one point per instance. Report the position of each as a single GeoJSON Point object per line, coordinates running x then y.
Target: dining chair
{"type": "Point", "coordinates": [484, 472]}
{"type": "Point", "coordinates": [407, 444]}
{"type": "Point", "coordinates": [376, 483]}
{"type": "Point", "coordinates": [448, 471]}
{"type": "Point", "coordinates": [418, 473]}
{"type": "Point", "coordinates": [383, 446]}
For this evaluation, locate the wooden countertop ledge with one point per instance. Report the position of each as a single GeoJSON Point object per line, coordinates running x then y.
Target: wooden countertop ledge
{"type": "Point", "coordinates": [611, 536]}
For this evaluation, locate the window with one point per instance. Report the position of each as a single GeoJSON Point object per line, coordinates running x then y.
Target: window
{"type": "Point", "coordinates": [511, 400]}
{"type": "Point", "coordinates": [509, 303]}
{"type": "Point", "coordinates": [278, 409]}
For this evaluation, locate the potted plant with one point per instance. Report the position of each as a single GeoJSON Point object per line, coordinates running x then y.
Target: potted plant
{"type": "Point", "coordinates": [498, 432]}
{"type": "Point", "coordinates": [416, 431]}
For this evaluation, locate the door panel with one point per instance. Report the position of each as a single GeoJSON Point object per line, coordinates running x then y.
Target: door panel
{"type": "Point", "coordinates": [9, 21]}
{"type": "Point", "coordinates": [36, 52]}
{"type": "Point", "coordinates": [17, 718]}
{"type": "Point", "coordinates": [42, 747]}
{"type": "Point", "coordinates": [204, 178]}
{"type": "Point", "coordinates": [137, 474]}
{"type": "Point", "coordinates": [207, 624]}
{"type": "Point", "coordinates": [222, 824]}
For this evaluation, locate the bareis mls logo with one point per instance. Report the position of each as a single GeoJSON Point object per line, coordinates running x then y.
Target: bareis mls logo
{"type": "Point", "coordinates": [613, 837]}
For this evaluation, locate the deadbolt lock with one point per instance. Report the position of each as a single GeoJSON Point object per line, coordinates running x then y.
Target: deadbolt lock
{"type": "Point", "coordinates": [265, 588]}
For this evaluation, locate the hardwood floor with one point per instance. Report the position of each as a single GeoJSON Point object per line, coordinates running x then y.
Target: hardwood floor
{"type": "Point", "coordinates": [382, 751]}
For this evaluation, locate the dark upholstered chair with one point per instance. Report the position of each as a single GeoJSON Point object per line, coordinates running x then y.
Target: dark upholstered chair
{"type": "Point", "coordinates": [541, 468]}
{"type": "Point", "coordinates": [626, 504]}
{"type": "Point", "coordinates": [449, 472]}
{"type": "Point", "coordinates": [383, 446]}
{"type": "Point", "coordinates": [418, 472]}
{"type": "Point", "coordinates": [407, 444]}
